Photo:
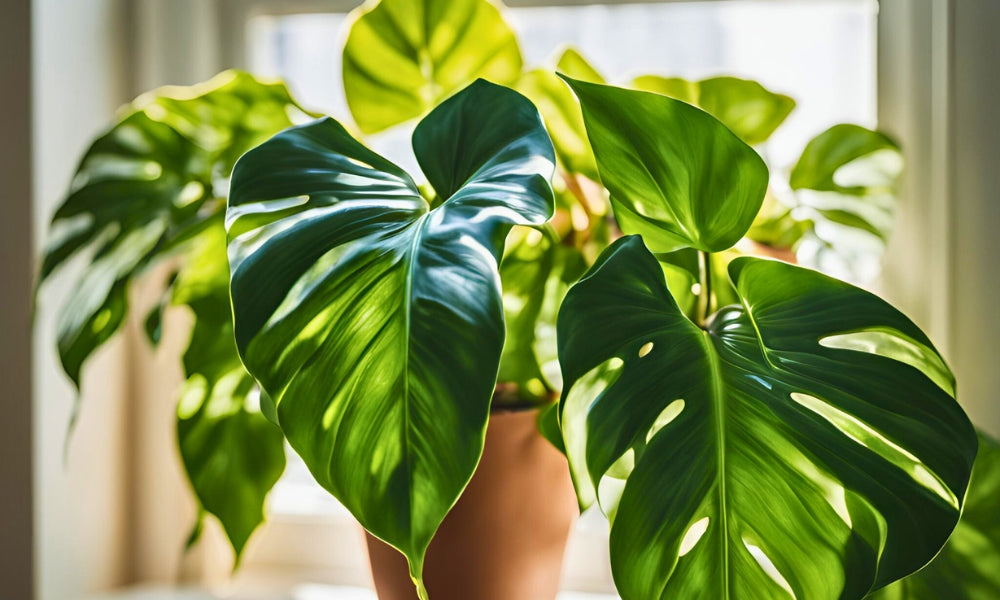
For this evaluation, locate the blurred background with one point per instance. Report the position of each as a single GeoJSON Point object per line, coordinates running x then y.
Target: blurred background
{"type": "Point", "coordinates": [114, 511]}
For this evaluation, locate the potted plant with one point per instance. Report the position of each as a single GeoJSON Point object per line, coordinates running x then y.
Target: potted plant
{"type": "Point", "coordinates": [194, 137]}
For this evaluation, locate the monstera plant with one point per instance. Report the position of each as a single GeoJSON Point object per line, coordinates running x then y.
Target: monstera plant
{"type": "Point", "coordinates": [150, 193]}
{"type": "Point", "coordinates": [750, 428]}
{"type": "Point", "coordinates": [804, 440]}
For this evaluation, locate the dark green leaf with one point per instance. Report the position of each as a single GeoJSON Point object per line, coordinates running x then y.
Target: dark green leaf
{"type": "Point", "coordinates": [807, 444]}
{"type": "Point", "coordinates": [968, 568]}
{"type": "Point", "coordinates": [143, 185]}
{"type": "Point", "coordinates": [232, 455]}
{"type": "Point", "coordinates": [747, 108]}
{"type": "Point", "coordinates": [402, 57]}
{"type": "Point", "coordinates": [676, 174]}
{"type": "Point", "coordinates": [374, 322]}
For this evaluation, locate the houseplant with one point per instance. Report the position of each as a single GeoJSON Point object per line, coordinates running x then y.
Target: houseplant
{"type": "Point", "coordinates": [535, 260]}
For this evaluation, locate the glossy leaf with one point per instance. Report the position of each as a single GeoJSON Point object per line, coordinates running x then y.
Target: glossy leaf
{"type": "Point", "coordinates": [807, 444]}
{"type": "Point", "coordinates": [144, 187]}
{"type": "Point", "coordinates": [968, 568]}
{"type": "Point", "coordinates": [149, 189]}
{"type": "Point", "coordinates": [373, 321]}
{"type": "Point", "coordinates": [676, 174]}
{"type": "Point", "coordinates": [747, 108]}
{"type": "Point", "coordinates": [402, 57]}
{"type": "Point", "coordinates": [232, 455]}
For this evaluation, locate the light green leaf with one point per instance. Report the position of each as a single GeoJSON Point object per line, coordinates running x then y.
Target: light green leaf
{"type": "Point", "coordinates": [232, 455]}
{"type": "Point", "coordinates": [676, 174]}
{"type": "Point", "coordinates": [402, 57]}
{"type": "Point", "coordinates": [968, 568]}
{"type": "Point", "coordinates": [747, 108]}
{"type": "Point", "coordinates": [824, 157]}
{"type": "Point", "coordinates": [801, 446]}
{"type": "Point", "coordinates": [374, 322]}
{"type": "Point", "coordinates": [573, 64]}
{"type": "Point", "coordinates": [845, 186]}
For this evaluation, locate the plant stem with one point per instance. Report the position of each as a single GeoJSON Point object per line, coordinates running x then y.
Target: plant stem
{"type": "Point", "coordinates": [705, 293]}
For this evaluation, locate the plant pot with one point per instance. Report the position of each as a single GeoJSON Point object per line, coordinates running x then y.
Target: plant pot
{"type": "Point", "coordinates": [506, 536]}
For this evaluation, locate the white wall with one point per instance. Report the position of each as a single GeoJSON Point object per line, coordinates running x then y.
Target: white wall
{"type": "Point", "coordinates": [81, 514]}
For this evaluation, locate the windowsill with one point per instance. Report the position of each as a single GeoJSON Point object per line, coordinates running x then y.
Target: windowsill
{"type": "Point", "coordinates": [302, 592]}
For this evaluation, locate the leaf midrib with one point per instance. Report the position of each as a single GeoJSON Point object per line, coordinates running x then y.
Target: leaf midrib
{"type": "Point", "coordinates": [718, 404]}
{"type": "Point", "coordinates": [408, 308]}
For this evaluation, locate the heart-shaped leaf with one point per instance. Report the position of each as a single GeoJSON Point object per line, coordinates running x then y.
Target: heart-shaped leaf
{"type": "Point", "coordinates": [747, 108]}
{"type": "Point", "coordinates": [806, 444]}
{"type": "Point", "coordinates": [373, 321]}
{"type": "Point", "coordinates": [402, 57]}
{"type": "Point", "coordinates": [676, 174]}
{"type": "Point", "coordinates": [968, 567]}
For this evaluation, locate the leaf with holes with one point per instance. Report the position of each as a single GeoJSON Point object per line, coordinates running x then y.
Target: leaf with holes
{"type": "Point", "coordinates": [402, 57]}
{"type": "Point", "coordinates": [676, 175]}
{"type": "Point", "coordinates": [747, 108]}
{"type": "Point", "coordinates": [806, 444]}
{"type": "Point", "coordinates": [968, 568]}
{"type": "Point", "coordinates": [373, 321]}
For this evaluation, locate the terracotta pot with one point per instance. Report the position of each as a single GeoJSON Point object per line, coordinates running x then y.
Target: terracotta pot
{"type": "Point", "coordinates": [505, 538]}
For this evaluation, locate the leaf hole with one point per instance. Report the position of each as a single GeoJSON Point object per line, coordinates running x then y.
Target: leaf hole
{"type": "Point", "coordinates": [668, 414]}
{"type": "Point", "coordinates": [645, 349]}
{"type": "Point", "coordinates": [693, 535]}
{"type": "Point", "coordinates": [767, 565]}
{"type": "Point", "coordinates": [892, 343]}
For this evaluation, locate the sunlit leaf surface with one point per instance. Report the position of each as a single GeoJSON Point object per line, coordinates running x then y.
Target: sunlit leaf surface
{"type": "Point", "coordinates": [676, 174]}
{"type": "Point", "coordinates": [968, 568]}
{"type": "Point", "coordinates": [232, 455]}
{"type": "Point", "coordinates": [747, 108]}
{"type": "Point", "coordinates": [805, 445]}
{"type": "Point", "coordinates": [402, 57]}
{"type": "Point", "coordinates": [151, 188]}
{"type": "Point", "coordinates": [374, 321]}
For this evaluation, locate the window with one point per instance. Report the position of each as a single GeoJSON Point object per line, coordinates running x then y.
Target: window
{"type": "Point", "coordinates": [820, 52]}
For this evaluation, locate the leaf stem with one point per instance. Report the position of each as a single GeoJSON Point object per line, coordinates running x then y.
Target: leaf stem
{"type": "Point", "coordinates": [705, 291]}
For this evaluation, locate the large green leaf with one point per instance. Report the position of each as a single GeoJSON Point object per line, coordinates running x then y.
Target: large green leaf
{"type": "Point", "coordinates": [146, 185]}
{"type": "Point", "coordinates": [805, 445]}
{"type": "Point", "coordinates": [232, 455]}
{"type": "Point", "coordinates": [747, 108]}
{"type": "Point", "coordinates": [676, 174]}
{"type": "Point", "coordinates": [373, 321]}
{"type": "Point", "coordinates": [402, 57]}
{"type": "Point", "coordinates": [968, 568]}
{"type": "Point", "coordinates": [150, 188]}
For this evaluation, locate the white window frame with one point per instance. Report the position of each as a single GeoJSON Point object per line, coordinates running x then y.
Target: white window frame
{"type": "Point", "coordinates": [914, 90]}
